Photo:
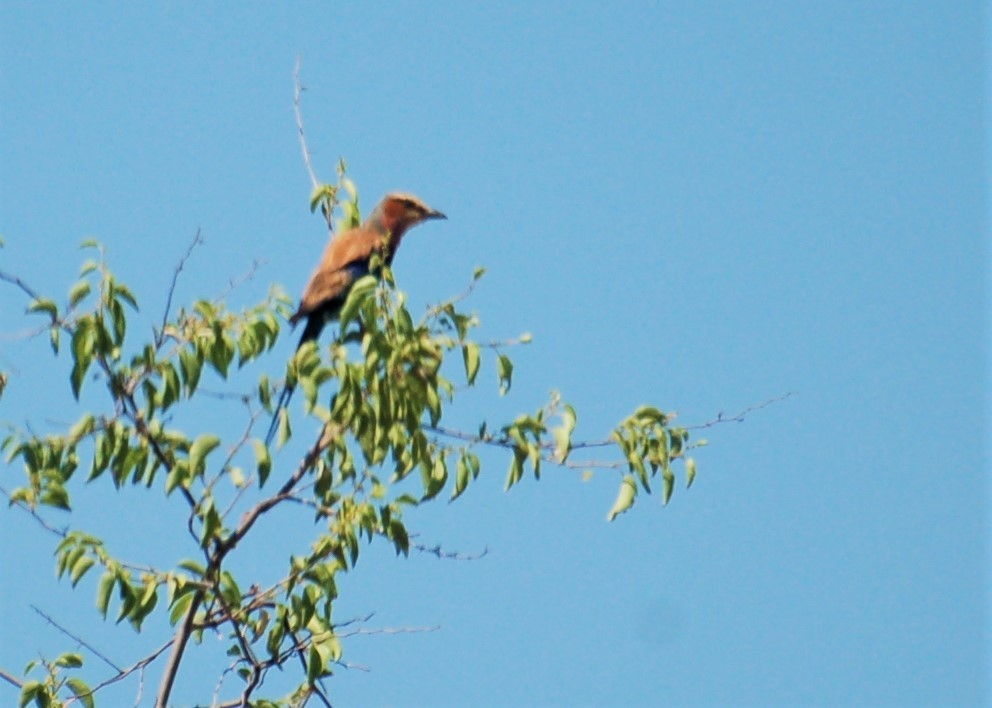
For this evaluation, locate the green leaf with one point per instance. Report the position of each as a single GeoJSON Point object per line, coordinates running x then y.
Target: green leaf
{"type": "Point", "coordinates": [434, 478]}
{"type": "Point", "coordinates": [193, 567]}
{"type": "Point", "coordinates": [126, 595]}
{"type": "Point", "coordinates": [285, 431]}
{"type": "Point", "coordinates": [78, 291]}
{"type": "Point", "coordinates": [360, 291]}
{"type": "Point", "coordinates": [219, 355]}
{"type": "Point", "coordinates": [315, 664]}
{"type": "Point", "coordinates": [504, 371]}
{"type": "Point", "coordinates": [125, 294]}
{"type": "Point", "coordinates": [55, 496]}
{"type": "Point", "coordinates": [79, 569]}
{"type": "Point", "coordinates": [401, 540]}
{"type": "Point", "coordinates": [171, 387]}
{"type": "Point", "coordinates": [470, 354]}
{"type": "Point", "coordinates": [212, 525]}
{"type": "Point", "coordinates": [625, 498]}
{"type": "Point", "coordinates": [326, 193]}
{"type": "Point", "coordinates": [33, 691]}
{"type": "Point", "coordinates": [103, 591]}
{"type": "Point", "coordinates": [82, 354]}
{"type": "Point", "coordinates": [190, 366]}
{"type": "Point", "coordinates": [45, 305]}
{"type": "Point", "coordinates": [177, 476]}
{"type": "Point", "coordinates": [69, 660]}
{"type": "Point", "coordinates": [462, 477]}
{"type": "Point", "coordinates": [563, 433]}
{"type": "Point", "coordinates": [81, 691]}
{"type": "Point", "coordinates": [516, 472]}
{"type": "Point", "coordinates": [119, 322]}
{"type": "Point", "coordinates": [264, 394]}
{"type": "Point", "coordinates": [690, 471]}
{"type": "Point", "coordinates": [83, 427]}
{"type": "Point", "coordinates": [180, 606]}
{"type": "Point", "coordinates": [650, 414]}
{"type": "Point", "coordinates": [669, 484]}
{"type": "Point", "coordinates": [198, 451]}
{"type": "Point", "coordinates": [264, 461]}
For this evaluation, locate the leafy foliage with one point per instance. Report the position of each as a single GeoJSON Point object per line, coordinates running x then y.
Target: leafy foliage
{"type": "Point", "coordinates": [378, 394]}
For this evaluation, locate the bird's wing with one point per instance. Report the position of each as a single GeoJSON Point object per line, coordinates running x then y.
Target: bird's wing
{"type": "Point", "coordinates": [324, 287]}
{"type": "Point", "coordinates": [345, 259]}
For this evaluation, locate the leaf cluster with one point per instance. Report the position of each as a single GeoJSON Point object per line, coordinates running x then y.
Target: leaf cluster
{"type": "Point", "coordinates": [377, 446]}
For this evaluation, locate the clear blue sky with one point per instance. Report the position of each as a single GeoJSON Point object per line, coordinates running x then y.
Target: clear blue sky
{"type": "Point", "coordinates": [700, 205]}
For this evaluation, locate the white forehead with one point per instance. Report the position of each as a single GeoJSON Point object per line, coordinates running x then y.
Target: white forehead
{"type": "Point", "coordinates": [407, 197]}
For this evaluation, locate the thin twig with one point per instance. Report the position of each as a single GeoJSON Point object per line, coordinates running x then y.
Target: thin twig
{"type": "Point", "coordinates": [449, 555]}
{"type": "Point", "coordinates": [61, 533]}
{"type": "Point", "coordinates": [388, 630]}
{"type": "Point", "coordinates": [141, 687]}
{"type": "Point", "coordinates": [79, 640]}
{"type": "Point", "coordinates": [225, 395]}
{"type": "Point", "coordinates": [14, 280]}
{"type": "Point", "coordinates": [297, 93]}
{"type": "Point", "coordinates": [739, 418]}
{"type": "Point", "coordinates": [140, 666]}
{"type": "Point", "coordinates": [435, 310]}
{"type": "Point", "coordinates": [248, 275]}
{"type": "Point", "coordinates": [354, 620]}
{"type": "Point", "coordinates": [197, 240]}
{"type": "Point", "coordinates": [298, 90]}
{"type": "Point", "coordinates": [11, 679]}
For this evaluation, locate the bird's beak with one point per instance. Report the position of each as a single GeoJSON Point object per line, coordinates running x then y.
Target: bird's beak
{"type": "Point", "coordinates": [435, 214]}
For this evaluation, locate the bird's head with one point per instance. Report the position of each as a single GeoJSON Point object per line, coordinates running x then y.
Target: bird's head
{"type": "Point", "coordinates": [398, 212]}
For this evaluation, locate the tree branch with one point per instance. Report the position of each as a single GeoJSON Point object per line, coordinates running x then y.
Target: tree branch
{"type": "Point", "coordinates": [14, 280]}
{"type": "Point", "coordinates": [79, 640]}
{"type": "Point", "coordinates": [739, 418]}
{"type": "Point", "coordinates": [11, 679]}
{"type": "Point", "coordinates": [139, 666]}
{"type": "Point", "coordinates": [160, 335]}
{"type": "Point", "coordinates": [298, 90]}
{"type": "Point", "coordinates": [61, 533]}
{"type": "Point", "coordinates": [221, 550]}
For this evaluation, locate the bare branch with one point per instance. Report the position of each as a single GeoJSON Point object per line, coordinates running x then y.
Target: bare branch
{"type": "Point", "coordinates": [11, 679]}
{"type": "Point", "coordinates": [141, 687]}
{"type": "Point", "coordinates": [355, 620]}
{"type": "Point", "coordinates": [297, 93]}
{"type": "Point", "coordinates": [739, 418]}
{"type": "Point", "coordinates": [14, 280]}
{"type": "Point", "coordinates": [178, 648]}
{"type": "Point", "coordinates": [61, 533]}
{"type": "Point", "coordinates": [435, 310]}
{"type": "Point", "coordinates": [197, 240]}
{"type": "Point", "coordinates": [298, 90]}
{"type": "Point", "coordinates": [388, 630]}
{"type": "Point", "coordinates": [139, 666]}
{"type": "Point", "coordinates": [248, 275]}
{"type": "Point", "coordinates": [79, 640]}
{"type": "Point", "coordinates": [247, 653]}
{"type": "Point", "coordinates": [436, 550]}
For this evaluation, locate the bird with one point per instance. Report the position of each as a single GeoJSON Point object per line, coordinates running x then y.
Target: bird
{"type": "Point", "coordinates": [348, 257]}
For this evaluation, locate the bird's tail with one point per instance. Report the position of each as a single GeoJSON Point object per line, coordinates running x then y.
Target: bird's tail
{"type": "Point", "coordinates": [311, 331]}
{"type": "Point", "coordinates": [284, 397]}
